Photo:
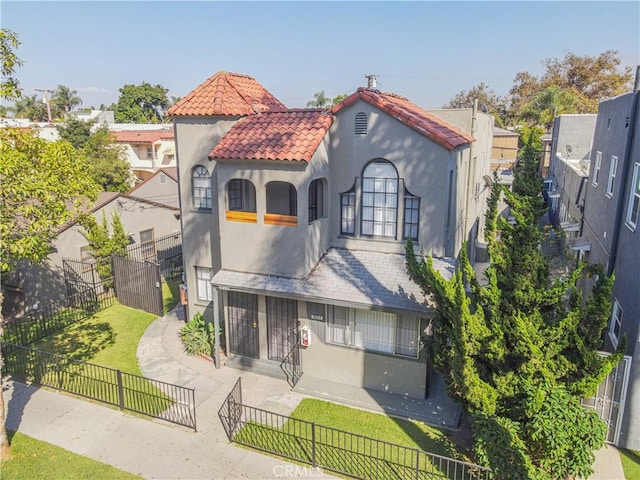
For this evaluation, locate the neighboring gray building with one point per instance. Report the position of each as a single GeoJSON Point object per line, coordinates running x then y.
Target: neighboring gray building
{"type": "Point", "coordinates": [294, 222]}
{"type": "Point", "coordinates": [565, 184]}
{"type": "Point", "coordinates": [611, 237]}
{"type": "Point", "coordinates": [161, 187]}
{"type": "Point", "coordinates": [34, 286]}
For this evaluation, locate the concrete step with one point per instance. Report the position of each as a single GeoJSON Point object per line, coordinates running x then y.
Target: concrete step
{"type": "Point", "coordinates": [269, 368]}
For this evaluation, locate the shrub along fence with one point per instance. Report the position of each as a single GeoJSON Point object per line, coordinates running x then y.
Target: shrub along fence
{"type": "Point", "coordinates": [126, 391]}
{"type": "Point", "coordinates": [336, 450]}
{"type": "Point", "coordinates": [43, 322]}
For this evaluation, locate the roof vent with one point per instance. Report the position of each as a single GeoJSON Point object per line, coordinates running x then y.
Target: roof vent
{"type": "Point", "coordinates": [371, 80]}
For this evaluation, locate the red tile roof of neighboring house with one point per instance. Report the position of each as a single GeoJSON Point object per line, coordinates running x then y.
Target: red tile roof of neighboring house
{"type": "Point", "coordinates": [227, 94]}
{"type": "Point", "coordinates": [142, 136]}
{"type": "Point", "coordinates": [410, 114]}
{"type": "Point", "coordinates": [293, 135]}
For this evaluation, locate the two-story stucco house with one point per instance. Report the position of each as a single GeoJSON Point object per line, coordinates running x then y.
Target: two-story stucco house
{"type": "Point", "coordinates": [294, 223]}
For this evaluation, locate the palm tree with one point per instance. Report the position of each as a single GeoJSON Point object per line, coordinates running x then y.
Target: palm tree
{"type": "Point", "coordinates": [321, 100]}
{"type": "Point", "coordinates": [65, 98]}
{"type": "Point", "coordinates": [548, 104]}
{"type": "Point", "coordinates": [31, 108]}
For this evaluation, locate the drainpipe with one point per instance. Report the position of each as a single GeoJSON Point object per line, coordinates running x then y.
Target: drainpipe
{"type": "Point", "coordinates": [620, 214]}
{"type": "Point", "coordinates": [469, 179]}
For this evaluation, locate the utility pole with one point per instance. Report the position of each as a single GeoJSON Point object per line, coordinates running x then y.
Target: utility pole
{"type": "Point", "coordinates": [46, 100]}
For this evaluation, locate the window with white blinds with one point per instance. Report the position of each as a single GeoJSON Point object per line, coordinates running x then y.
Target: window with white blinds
{"type": "Point", "coordinates": [373, 331]}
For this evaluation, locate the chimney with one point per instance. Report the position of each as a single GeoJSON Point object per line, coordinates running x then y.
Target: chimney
{"type": "Point", "coordinates": [371, 80]}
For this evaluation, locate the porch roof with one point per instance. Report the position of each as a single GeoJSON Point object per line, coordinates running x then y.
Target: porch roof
{"type": "Point", "coordinates": [356, 278]}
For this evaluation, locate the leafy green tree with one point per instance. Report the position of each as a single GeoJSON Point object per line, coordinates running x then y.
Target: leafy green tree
{"type": "Point", "coordinates": [43, 186]}
{"type": "Point", "coordinates": [487, 98]}
{"type": "Point", "coordinates": [65, 99]}
{"type": "Point", "coordinates": [143, 103]}
{"type": "Point", "coordinates": [512, 352]}
{"type": "Point", "coordinates": [107, 162]}
{"type": "Point", "coordinates": [76, 132]}
{"type": "Point", "coordinates": [338, 98]}
{"type": "Point", "coordinates": [105, 242]}
{"type": "Point", "coordinates": [9, 61]}
{"type": "Point", "coordinates": [547, 104]}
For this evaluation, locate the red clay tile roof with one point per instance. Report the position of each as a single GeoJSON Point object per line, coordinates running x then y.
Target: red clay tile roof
{"type": "Point", "coordinates": [142, 136]}
{"type": "Point", "coordinates": [171, 172]}
{"type": "Point", "coordinates": [293, 135]}
{"type": "Point", "coordinates": [412, 115]}
{"type": "Point", "coordinates": [227, 94]}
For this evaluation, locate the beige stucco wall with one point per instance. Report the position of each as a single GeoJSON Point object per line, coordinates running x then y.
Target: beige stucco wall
{"type": "Point", "coordinates": [156, 191]}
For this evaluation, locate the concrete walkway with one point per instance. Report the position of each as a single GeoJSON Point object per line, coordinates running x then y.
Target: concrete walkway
{"type": "Point", "coordinates": [158, 450]}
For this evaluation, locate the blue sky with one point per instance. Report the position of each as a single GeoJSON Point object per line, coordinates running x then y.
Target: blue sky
{"type": "Point", "coordinates": [427, 51]}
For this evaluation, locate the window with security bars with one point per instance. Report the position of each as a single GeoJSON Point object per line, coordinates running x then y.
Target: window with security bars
{"type": "Point", "coordinates": [411, 216]}
{"type": "Point", "coordinates": [361, 123]}
{"type": "Point", "coordinates": [379, 199]}
{"type": "Point", "coordinates": [201, 186]}
{"type": "Point", "coordinates": [348, 213]}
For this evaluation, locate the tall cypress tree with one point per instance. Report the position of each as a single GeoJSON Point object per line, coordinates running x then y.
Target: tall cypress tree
{"type": "Point", "coordinates": [521, 352]}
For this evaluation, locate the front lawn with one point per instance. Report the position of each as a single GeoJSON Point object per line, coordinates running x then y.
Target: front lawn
{"type": "Point", "coordinates": [35, 459]}
{"type": "Point", "coordinates": [108, 338]}
{"type": "Point", "coordinates": [630, 464]}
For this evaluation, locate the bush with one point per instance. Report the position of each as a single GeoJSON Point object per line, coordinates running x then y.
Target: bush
{"type": "Point", "coordinates": [197, 336]}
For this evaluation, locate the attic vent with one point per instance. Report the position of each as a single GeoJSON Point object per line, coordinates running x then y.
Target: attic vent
{"type": "Point", "coordinates": [361, 123]}
{"type": "Point", "coordinates": [163, 178]}
{"type": "Point", "coordinates": [608, 122]}
{"type": "Point", "coordinates": [626, 122]}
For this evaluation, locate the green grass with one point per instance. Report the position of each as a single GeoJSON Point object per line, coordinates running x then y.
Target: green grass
{"type": "Point", "coordinates": [170, 293]}
{"type": "Point", "coordinates": [34, 459]}
{"type": "Point", "coordinates": [630, 464]}
{"type": "Point", "coordinates": [108, 338]}
{"type": "Point", "coordinates": [293, 440]}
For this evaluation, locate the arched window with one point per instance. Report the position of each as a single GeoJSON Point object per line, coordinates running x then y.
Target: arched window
{"type": "Point", "coordinates": [316, 199]}
{"type": "Point", "coordinates": [241, 195]}
{"type": "Point", "coordinates": [281, 198]}
{"type": "Point", "coordinates": [361, 123]}
{"type": "Point", "coordinates": [379, 199]}
{"type": "Point", "coordinates": [201, 186]}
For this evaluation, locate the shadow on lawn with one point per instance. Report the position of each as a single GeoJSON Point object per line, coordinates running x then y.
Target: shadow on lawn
{"type": "Point", "coordinates": [81, 342]}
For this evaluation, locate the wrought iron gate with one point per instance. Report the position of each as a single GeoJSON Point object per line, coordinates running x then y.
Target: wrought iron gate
{"type": "Point", "coordinates": [282, 326]}
{"type": "Point", "coordinates": [243, 324]}
{"type": "Point", "coordinates": [609, 400]}
{"type": "Point", "coordinates": [138, 284]}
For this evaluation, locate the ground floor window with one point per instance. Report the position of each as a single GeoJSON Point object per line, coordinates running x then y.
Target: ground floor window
{"type": "Point", "coordinates": [203, 276]}
{"type": "Point", "coordinates": [373, 331]}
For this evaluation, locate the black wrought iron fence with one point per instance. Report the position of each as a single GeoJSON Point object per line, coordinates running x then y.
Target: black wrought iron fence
{"type": "Point", "coordinates": [41, 323]}
{"type": "Point", "coordinates": [334, 449]}
{"type": "Point", "coordinates": [165, 250]}
{"type": "Point", "coordinates": [126, 391]}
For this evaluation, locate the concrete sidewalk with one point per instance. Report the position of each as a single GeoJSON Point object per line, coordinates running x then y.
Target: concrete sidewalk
{"type": "Point", "coordinates": [158, 450]}
{"type": "Point", "coordinates": [153, 448]}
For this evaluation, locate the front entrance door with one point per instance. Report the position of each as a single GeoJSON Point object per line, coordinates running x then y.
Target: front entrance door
{"type": "Point", "coordinates": [282, 326]}
{"type": "Point", "coordinates": [609, 400]}
{"type": "Point", "coordinates": [242, 313]}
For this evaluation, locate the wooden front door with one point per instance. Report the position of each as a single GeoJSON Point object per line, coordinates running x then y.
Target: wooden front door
{"type": "Point", "coordinates": [282, 326]}
{"type": "Point", "coordinates": [242, 311]}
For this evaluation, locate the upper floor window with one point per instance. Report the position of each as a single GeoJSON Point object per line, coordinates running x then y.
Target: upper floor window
{"type": "Point", "coordinates": [241, 195]}
{"type": "Point", "coordinates": [348, 212]}
{"type": "Point", "coordinates": [361, 123]}
{"type": "Point", "coordinates": [634, 198]}
{"type": "Point", "coordinates": [616, 322]}
{"type": "Point", "coordinates": [281, 199]}
{"type": "Point", "coordinates": [316, 200]}
{"type": "Point", "coordinates": [411, 215]}
{"type": "Point", "coordinates": [379, 199]}
{"type": "Point", "coordinates": [596, 168]}
{"type": "Point", "coordinates": [201, 186]}
{"type": "Point", "coordinates": [612, 175]}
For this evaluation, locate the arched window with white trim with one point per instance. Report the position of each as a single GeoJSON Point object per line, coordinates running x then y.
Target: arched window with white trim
{"type": "Point", "coordinates": [379, 199]}
{"type": "Point", "coordinates": [201, 188]}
